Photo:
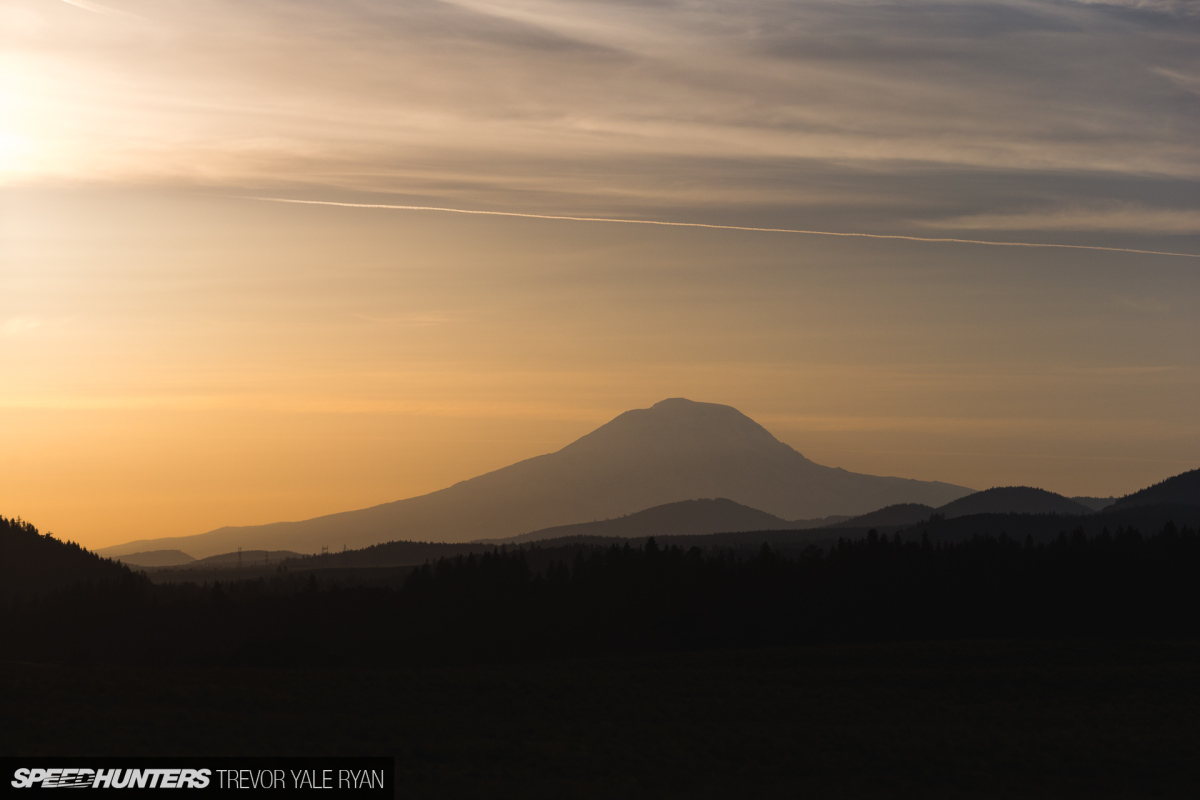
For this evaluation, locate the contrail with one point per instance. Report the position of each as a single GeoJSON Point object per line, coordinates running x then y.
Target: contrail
{"type": "Point", "coordinates": [725, 227]}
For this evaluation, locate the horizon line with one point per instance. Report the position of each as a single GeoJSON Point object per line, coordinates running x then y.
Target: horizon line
{"type": "Point", "coordinates": [562, 217]}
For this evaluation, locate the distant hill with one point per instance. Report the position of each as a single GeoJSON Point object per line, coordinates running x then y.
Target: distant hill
{"type": "Point", "coordinates": [1021, 511]}
{"type": "Point", "coordinates": [372, 564]}
{"type": "Point", "coordinates": [1183, 489]}
{"type": "Point", "coordinates": [156, 558]}
{"type": "Point", "coordinates": [1095, 503]}
{"type": "Point", "coordinates": [1045, 527]}
{"type": "Point", "coordinates": [819, 522]}
{"type": "Point", "coordinates": [246, 557]}
{"type": "Point", "coordinates": [1012, 500]}
{"type": "Point", "coordinates": [687, 517]}
{"type": "Point", "coordinates": [892, 516]}
{"type": "Point", "coordinates": [677, 450]}
{"type": "Point", "coordinates": [32, 564]}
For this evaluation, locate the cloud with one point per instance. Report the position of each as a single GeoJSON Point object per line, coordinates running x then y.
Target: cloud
{"type": "Point", "coordinates": [1173, 7]}
{"type": "Point", "coordinates": [97, 8]}
{"type": "Point", "coordinates": [624, 27]}
{"type": "Point", "coordinates": [415, 319]}
{"type": "Point", "coordinates": [760, 108]}
{"type": "Point", "coordinates": [18, 326]}
{"type": "Point", "coordinates": [1189, 83]}
{"type": "Point", "coordinates": [1125, 218]}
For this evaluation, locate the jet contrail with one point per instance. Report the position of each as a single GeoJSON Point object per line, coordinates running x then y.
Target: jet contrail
{"type": "Point", "coordinates": [724, 227]}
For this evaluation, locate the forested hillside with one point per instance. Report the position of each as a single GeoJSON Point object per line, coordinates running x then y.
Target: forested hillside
{"type": "Point", "coordinates": [505, 605]}
{"type": "Point", "coordinates": [1183, 489]}
{"type": "Point", "coordinates": [31, 563]}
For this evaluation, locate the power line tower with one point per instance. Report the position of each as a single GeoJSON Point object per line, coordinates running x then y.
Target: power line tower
{"type": "Point", "coordinates": [239, 558]}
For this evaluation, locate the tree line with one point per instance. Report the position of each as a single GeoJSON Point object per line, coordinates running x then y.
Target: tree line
{"type": "Point", "coordinates": [518, 603]}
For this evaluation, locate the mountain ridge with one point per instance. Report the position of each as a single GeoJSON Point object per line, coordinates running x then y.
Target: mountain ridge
{"type": "Point", "coordinates": [1016, 511]}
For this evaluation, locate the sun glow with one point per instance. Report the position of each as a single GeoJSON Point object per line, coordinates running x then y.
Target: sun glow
{"type": "Point", "coordinates": [39, 126]}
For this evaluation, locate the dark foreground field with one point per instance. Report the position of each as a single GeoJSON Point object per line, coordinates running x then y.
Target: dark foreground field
{"type": "Point", "coordinates": [949, 719]}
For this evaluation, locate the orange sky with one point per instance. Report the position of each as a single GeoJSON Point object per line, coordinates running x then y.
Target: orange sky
{"type": "Point", "coordinates": [175, 357]}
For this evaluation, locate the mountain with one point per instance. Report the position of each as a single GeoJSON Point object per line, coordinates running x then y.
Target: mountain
{"type": "Point", "coordinates": [676, 450]}
{"type": "Point", "coordinates": [1183, 489]}
{"type": "Point", "coordinates": [1012, 500]}
{"type": "Point", "coordinates": [687, 517]}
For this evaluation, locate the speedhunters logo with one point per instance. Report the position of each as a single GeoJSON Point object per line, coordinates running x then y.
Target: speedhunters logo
{"type": "Point", "coordinates": [332, 777]}
{"type": "Point", "coordinates": [67, 778]}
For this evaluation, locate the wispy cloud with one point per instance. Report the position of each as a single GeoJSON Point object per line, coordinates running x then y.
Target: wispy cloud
{"type": "Point", "coordinates": [1187, 82]}
{"type": "Point", "coordinates": [415, 319]}
{"type": "Point", "coordinates": [1177, 7]}
{"type": "Point", "coordinates": [98, 8]}
{"type": "Point", "coordinates": [17, 326]}
{"type": "Point", "coordinates": [1121, 218]}
{"type": "Point", "coordinates": [629, 109]}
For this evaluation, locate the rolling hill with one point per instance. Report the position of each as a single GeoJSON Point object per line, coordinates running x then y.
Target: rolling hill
{"type": "Point", "coordinates": [676, 450]}
{"type": "Point", "coordinates": [156, 558]}
{"type": "Point", "coordinates": [1095, 503]}
{"type": "Point", "coordinates": [1012, 500]}
{"type": "Point", "coordinates": [1182, 489]}
{"type": "Point", "coordinates": [891, 516]}
{"type": "Point", "coordinates": [246, 558]}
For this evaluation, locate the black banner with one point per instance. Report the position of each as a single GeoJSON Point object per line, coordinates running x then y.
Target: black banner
{"type": "Point", "coordinates": [312, 777]}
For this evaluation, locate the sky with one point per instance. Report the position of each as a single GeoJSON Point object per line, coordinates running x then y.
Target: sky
{"type": "Point", "coordinates": [181, 350]}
